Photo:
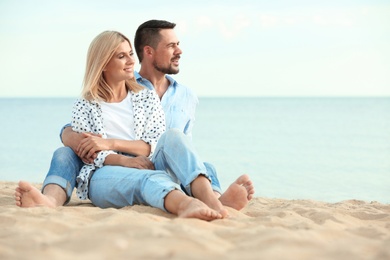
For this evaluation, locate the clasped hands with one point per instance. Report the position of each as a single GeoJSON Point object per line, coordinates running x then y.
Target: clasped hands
{"type": "Point", "coordinates": [91, 144]}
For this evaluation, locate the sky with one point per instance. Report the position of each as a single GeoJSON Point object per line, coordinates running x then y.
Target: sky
{"type": "Point", "coordinates": [247, 48]}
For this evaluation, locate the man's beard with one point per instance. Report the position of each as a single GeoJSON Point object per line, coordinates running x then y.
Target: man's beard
{"type": "Point", "coordinates": [166, 70]}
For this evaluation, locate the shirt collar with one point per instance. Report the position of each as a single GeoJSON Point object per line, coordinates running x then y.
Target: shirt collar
{"type": "Point", "coordinates": [172, 81]}
{"type": "Point", "coordinates": [139, 79]}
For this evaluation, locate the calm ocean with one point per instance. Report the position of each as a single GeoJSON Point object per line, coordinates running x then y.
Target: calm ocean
{"type": "Point", "coordinates": [327, 149]}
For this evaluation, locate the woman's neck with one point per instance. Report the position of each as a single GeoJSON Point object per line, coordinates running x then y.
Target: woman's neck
{"type": "Point", "coordinates": [119, 92]}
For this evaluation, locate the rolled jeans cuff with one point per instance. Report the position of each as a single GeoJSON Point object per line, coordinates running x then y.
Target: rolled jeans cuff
{"type": "Point", "coordinates": [196, 174]}
{"type": "Point", "coordinates": [216, 188]}
{"type": "Point", "coordinates": [63, 183]}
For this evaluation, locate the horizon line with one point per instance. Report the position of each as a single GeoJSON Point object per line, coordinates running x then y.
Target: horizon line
{"type": "Point", "coordinates": [214, 96]}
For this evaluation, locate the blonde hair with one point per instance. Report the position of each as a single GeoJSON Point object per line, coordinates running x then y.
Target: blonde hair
{"type": "Point", "coordinates": [100, 52]}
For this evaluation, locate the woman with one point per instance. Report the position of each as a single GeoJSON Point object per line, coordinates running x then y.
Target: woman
{"type": "Point", "coordinates": [115, 107]}
{"type": "Point", "coordinates": [130, 120]}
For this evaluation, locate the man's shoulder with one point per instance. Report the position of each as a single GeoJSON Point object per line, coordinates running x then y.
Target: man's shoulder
{"type": "Point", "coordinates": [182, 88]}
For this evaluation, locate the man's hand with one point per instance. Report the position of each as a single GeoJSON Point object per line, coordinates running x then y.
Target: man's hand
{"type": "Point", "coordinates": [140, 162]}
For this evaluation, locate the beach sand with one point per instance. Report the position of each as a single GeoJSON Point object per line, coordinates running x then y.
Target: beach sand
{"type": "Point", "coordinates": [265, 229]}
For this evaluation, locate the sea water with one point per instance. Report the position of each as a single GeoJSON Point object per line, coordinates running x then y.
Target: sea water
{"type": "Point", "coordinates": [327, 149]}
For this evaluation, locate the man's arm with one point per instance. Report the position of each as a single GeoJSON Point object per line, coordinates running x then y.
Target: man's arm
{"type": "Point", "coordinates": [71, 138]}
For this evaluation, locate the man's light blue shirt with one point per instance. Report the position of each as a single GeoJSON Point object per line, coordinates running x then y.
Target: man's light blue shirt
{"type": "Point", "coordinates": [179, 104]}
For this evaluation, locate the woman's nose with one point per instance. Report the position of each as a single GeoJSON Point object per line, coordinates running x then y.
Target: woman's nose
{"type": "Point", "coordinates": [130, 60]}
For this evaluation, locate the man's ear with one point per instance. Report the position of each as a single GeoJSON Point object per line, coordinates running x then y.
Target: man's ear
{"type": "Point", "coordinates": [148, 50]}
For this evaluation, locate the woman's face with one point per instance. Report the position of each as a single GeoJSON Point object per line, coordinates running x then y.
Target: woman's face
{"type": "Point", "coordinates": [121, 65]}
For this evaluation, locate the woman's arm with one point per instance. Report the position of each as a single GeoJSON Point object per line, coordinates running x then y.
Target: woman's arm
{"type": "Point", "coordinates": [139, 162]}
{"type": "Point", "coordinates": [134, 147]}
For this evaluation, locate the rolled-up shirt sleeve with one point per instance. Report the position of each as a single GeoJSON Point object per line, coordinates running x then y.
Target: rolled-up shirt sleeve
{"type": "Point", "coordinates": [154, 121]}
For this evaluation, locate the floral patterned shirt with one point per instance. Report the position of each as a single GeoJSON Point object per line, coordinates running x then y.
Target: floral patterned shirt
{"type": "Point", "coordinates": [149, 125]}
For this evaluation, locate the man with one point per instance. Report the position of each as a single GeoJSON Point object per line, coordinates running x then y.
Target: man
{"type": "Point", "coordinates": [158, 51]}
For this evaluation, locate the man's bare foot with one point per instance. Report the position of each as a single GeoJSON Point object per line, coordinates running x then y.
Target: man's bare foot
{"type": "Point", "coordinates": [214, 203]}
{"type": "Point", "coordinates": [239, 193]}
{"type": "Point", "coordinates": [194, 208]}
{"type": "Point", "coordinates": [201, 189]}
{"type": "Point", "coordinates": [27, 195]}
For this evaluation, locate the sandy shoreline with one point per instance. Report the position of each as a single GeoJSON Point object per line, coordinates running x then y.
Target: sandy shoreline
{"type": "Point", "coordinates": [265, 229]}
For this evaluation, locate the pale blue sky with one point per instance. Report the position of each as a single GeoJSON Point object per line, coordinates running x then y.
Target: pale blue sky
{"type": "Point", "coordinates": [230, 48]}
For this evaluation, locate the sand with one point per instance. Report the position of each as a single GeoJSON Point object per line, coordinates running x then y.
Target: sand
{"type": "Point", "coordinates": [266, 229]}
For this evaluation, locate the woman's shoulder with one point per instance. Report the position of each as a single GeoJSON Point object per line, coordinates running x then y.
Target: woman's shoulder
{"type": "Point", "coordinates": [145, 94]}
{"type": "Point", "coordinates": [82, 102]}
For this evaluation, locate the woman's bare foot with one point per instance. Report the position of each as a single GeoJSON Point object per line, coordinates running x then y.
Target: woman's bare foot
{"type": "Point", "coordinates": [239, 193]}
{"type": "Point", "coordinates": [27, 195]}
{"type": "Point", "coordinates": [194, 208]}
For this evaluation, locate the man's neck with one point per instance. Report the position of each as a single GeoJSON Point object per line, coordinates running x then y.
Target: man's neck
{"type": "Point", "coordinates": [158, 80]}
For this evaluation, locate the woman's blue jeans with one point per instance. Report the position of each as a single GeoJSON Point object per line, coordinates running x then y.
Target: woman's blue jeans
{"type": "Point", "coordinates": [176, 162]}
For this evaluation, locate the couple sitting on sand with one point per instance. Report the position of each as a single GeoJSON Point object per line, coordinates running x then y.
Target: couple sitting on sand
{"type": "Point", "coordinates": [129, 141]}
